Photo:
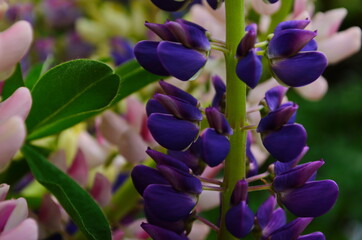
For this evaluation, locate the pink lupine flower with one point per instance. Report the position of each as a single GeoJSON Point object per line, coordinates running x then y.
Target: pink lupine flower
{"type": "Point", "coordinates": [101, 190]}
{"type": "Point", "coordinates": [79, 169]}
{"type": "Point", "coordinates": [13, 112]}
{"type": "Point", "coordinates": [14, 43]}
{"type": "Point", "coordinates": [261, 7]}
{"type": "Point", "coordinates": [14, 223]}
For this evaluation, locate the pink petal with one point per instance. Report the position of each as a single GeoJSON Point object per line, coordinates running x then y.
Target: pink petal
{"type": "Point", "coordinates": [132, 147]}
{"type": "Point", "coordinates": [101, 190]}
{"type": "Point", "coordinates": [4, 189]}
{"type": "Point", "coordinates": [135, 113]}
{"type": "Point", "coordinates": [12, 135]}
{"type": "Point", "coordinates": [341, 45]}
{"type": "Point", "coordinates": [79, 169]}
{"type": "Point", "coordinates": [50, 214]}
{"type": "Point", "coordinates": [18, 104]}
{"type": "Point", "coordinates": [314, 91]}
{"type": "Point", "coordinates": [59, 159]}
{"type": "Point", "coordinates": [94, 153]}
{"type": "Point", "coordinates": [265, 8]}
{"type": "Point", "coordinates": [27, 230]}
{"type": "Point", "coordinates": [14, 43]}
{"type": "Point", "coordinates": [19, 213]}
{"type": "Point", "coordinates": [328, 23]}
{"type": "Point", "coordinates": [6, 209]}
{"type": "Point", "coordinates": [112, 126]}
{"type": "Point", "coordinates": [199, 231]}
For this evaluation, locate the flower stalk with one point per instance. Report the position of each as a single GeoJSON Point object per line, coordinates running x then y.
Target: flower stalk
{"type": "Point", "coordinates": [235, 163]}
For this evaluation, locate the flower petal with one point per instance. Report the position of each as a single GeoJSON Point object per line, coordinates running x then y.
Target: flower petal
{"type": "Point", "coordinates": [158, 198]}
{"type": "Point", "coordinates": [312, 199]}
{"type": "Point", "coordinates": [239, 220]}
{"type": "Point", "coordinates": [276, 119]}
{"type": "Point", "coordinates": [170, 89]}
{"type": "Point", "coordinates": [218, 121]}
{"type": "Point", "coordinates": [301, 69]}
{"type": "Point", "coordinates": [277, 220]}
{"type": "Point", "coordinates": [181, 62]}
{"type": "Point", "coordinates": [287, 143]}
{"type": "Point", "coordinates": [27, 230]}
{"type": "Point", "coordinates": [143, 176]}
{"type": "Point", "coordinates": [158, 233]}
{"type": "Point", "coordinates": [298, 24]}
{"type": "Point", "coordinates": [265, 211]}
{"type": "Point", "coordinates": [101, 190]}
{"type": "Point", "coordinates": [4, 189]}
{"type": "Point", "coordinates": [280, 167]}
{"type": "Point", "coordinates": [164, 159]}
{"type": "Point", "coordinates": [313, 236]}
{"type": "Point", "coordinates": [215, 147]}
{"type": "Point", "coordinates": [18, 104]}
{"type": "Point", "coordinates": [146, 55]}
{"type": "Point", "coordinates": [249, 69]}
{"type": "Point", "coordinates": [274, 97]}
{"type": "Point", "coordinates": [170, 5]}
{"type": "Point", "coordinates": [172, 133]}
{"type": "Point", "coordinates": [292, 230]}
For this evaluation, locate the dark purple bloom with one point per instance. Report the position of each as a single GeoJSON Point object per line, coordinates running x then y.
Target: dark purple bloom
{"type": "Point", "coordinates": [44, 47]}
{"type": "Point", "coordinates": [181, 53]}
{"type": "Point", "coordinates": [249, 67]}
{"type": "Point", "coordinates": [274, 97]}
{"type": "Point", "coordinates": [171, 5]}
{"type": "Point", "coordinates": [61, 13]}
{"type": "Point", "coordinates": [21, 11]}
{"type": "Point", "coordinates": [121, 50]}
{"type": "Point", "coordinates": [169, 89]}
{"type": "Point", "coordinates": [240, 192]}
{"type": "Point", "coordinates": [164, 159]}
{"type": "Point", "coordinates": [76, 47]}
{"type": "Point", "coordinates": [272, 1]}
{"type": "Point", "coordinates": [313, 199]}
{"type": "Point", "coordinates": [168, 204]}
{"type": "Point", "coordinates": [292, 230]}
{"type": "Point", "coordinates": [171, 132]}
{"type": "Point", "coordinates": [280, 167]}
{"type": "Point", "coordinates": [143, 176]}
{"type": "Point", "coordinates": [292, 56]}
{"type": "Point", "coordinates": [215, 147]}
{"type": "Point", "coordinates": [220, 89]}
{"type": "Point", "coordinates": [313, 236]}
{"type": "Point", "coordinates": [218, 121]}
{"type": "Point", "coordinates": [158, 233]}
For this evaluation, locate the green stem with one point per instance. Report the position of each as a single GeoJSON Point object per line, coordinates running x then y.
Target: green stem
{"type": "Point", "coordinates": [235, 163]}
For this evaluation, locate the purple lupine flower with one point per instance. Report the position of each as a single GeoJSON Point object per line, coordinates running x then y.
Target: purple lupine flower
{"type": "Point", "coordinates": [20, 11]}
{"type": "Point", "coordinates": [76, 47]}
{"type": "Point", "coordinates": [44, 47]}
{"type": "Point", "coordinates": [249, 67]}
{"type": "Point", "coordinates": [220, 89]}
{"type": "Point", "coordinates": [298, 191]}
{"type": "Point", "coordinates": [158, 233]}
{"type": "Point", "coordinates": [173, 118]}
{"type": "Point", "coordinates": [121, 50]}
{"type": "Point", "coordinates": [239, 219]}
{"type": "Point", "coordinates": [292, 54]}
{"type": "Point", "coordinates": [313, 236]}
{"type": "Point", "coordinates": [181, 53]}
{"type": "Point", "coordinates": [215, 144]}
{"type": "Point", "coordinates": [270, 218]}
{"type": "Point", "coordinates": [177, 5]}
{"type": "Point", "coordinates": [271, 1]}
{"type": "Point", "coordinates": [215, 4]}
{"type": "Point", "coordinates": [253, 164]}
{"type": "Point", "coordinates": [292, 230]}
{"type": "Point", "coordinates": [283, 138]}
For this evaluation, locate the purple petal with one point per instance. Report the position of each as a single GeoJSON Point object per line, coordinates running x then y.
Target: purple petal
{"type": "Point", "coordinates": [265, 211]}
{"type": "Point", "coordinates": [289, 42]}
{"type": "Point", "coordinates": [143, 176]}
{"type": "Point", "coordinates": [274, 97]}
{"type": "Point", "coordinates": [146, 55]}
{"type": "Point", "coordinates": [154, 106]}
{"type": "Point", "coordinates": [176, 226]}
{"type": "Point", "coordinates": [249, 69]}
{"type": "Point", "coordinates": [218, 121]}
{"type": "Point", "coordinates": [168, 204]}
{"type": "Point", "coordinates": [247, 42]}
{"type": "Point", "coordinates": [280, 167]}
{"type": "Point", "coordinates": [301, 69]}
{"type": "Point", "coordinates": [164, 159]}
{"type": "Point", "coordinates": [172, 133]}
{"type": "Point", "coordinates": [239, 220]}
{"type": "Point", "coordinates": [297, 24]}
{"type": "Point", "coordinates": [158, 233]}
{"type": "Point", "coordinates": [170, 5]}
{"type": "Point", "coordinates": [312, 45]}
{"type": "Point", "coordinates": [215, 147]}
{"type": "Point", "coordinates": [240, 192]}
{"type": "Point", "coordinates": [296, 177]}
{"type": "Point", "coordinates": [179, 108]}
{"type": "Point", "coordinates": [162, 31]}
{"type": "Point", "coordinates": [181, 62]}
{"type": "Point", "coordinates": [276, 119]}
{"type": "Point", "coordinates": [292, 230]}
{"type": "Point", "coordinates": [277, 220]}
{"type": "Point", "coordinates": [180, 180]}
{"type": "Point", "coordinates": [313, 236]}
{"type": "Point", "coordinates": [220, 89]}
{"type": "Point", "coordinates": [312, 199]}
{"type": "Point", "coordinates": [215, 4]}
{"type": "Point", "coordinates": [193, 36]}
{"type": "Point", "coordinates": [170, 89]}
{"type": "Point", "coordinates": [287, 143]}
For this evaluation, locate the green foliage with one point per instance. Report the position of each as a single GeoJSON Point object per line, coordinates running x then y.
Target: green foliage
{"type": "Point", "coordinates": [68, 94]}
{"type": "Point", "coordinates": [75, 200]}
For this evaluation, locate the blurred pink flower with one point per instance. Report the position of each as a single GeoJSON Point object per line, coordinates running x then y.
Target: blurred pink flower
{"type": "Point", "coordinates": [14, 44]}
{"type": "Point", "coordinates": [14, 223]}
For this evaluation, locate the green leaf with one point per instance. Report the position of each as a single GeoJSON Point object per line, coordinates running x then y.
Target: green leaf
{"type": "Point", "coordinates": [33, 75]}
{"type": "Point", "coordinates": [133, 78]}
{"type": "Point", "coordinates": [75, 200]}
{"type": "Point", "coordinates": [68, 94]}
{"type": "Point", "coordinates": [13, 82]}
